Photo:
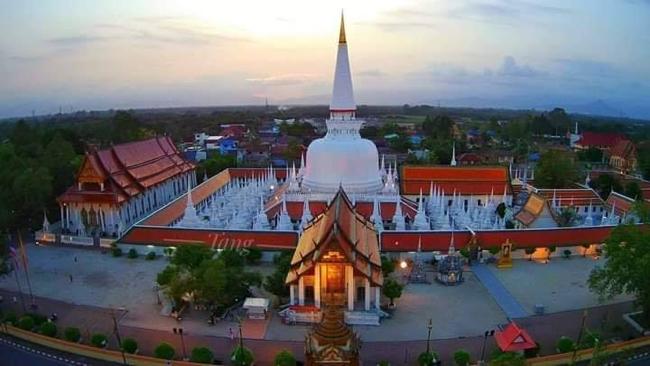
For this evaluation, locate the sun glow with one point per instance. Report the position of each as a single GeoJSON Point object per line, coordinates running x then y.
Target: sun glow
{"type": "Point", "coordinates": [286, 17]}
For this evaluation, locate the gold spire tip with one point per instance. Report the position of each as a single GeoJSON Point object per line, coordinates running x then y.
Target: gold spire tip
{"type": "Point", "coordinates": [342, 32]}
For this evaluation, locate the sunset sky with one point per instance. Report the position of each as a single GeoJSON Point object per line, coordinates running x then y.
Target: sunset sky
{"type": "Point", "coordinates": [153, 53]}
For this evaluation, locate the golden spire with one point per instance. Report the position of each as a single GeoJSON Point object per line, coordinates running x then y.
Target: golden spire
{"type": "Point", "coordinates": [342, 32]}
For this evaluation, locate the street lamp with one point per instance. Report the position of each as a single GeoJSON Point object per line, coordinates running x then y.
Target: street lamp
{"type": "Point", "coordinates": [180, 332]}
{"type": "Point", "coordinates": [488, 333]}
{"type": "Point", "coordinates": [240, 351]}
{"type": "Point", "coordinates": [429, 326]}
{"type": "Point", "coordinates": [117, 334]}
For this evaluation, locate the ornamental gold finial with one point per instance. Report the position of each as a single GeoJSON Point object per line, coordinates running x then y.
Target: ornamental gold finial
{"type": "Point", "coordinates": [342, 32]}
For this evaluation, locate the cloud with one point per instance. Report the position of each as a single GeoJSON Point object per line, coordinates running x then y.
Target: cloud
{"type": "Point", "coordinates": [282, 80]}
{"type": "Point", "coordinates": [509, 67]}
{"type": "Point", "coordinates": [505, 12]}
{"type": "Point", "coordinates": [372, 73]}
{"type": "Point", "coordinates": [585, 67]}
{"type": "Point", "coordinates": [27, 59]}
{"type": "Point", "coordinates": [406, 25]}
{"type": "Point", "coordinates": [76, 40]}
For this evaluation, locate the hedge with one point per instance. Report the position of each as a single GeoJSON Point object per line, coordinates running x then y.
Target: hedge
{"type": "Point", "coordinates": [150, 256]}
{"type": "Point", "coordinates": [565, 344]}
{"type": "Point", "coordinates": [48, 329]}
{"type": "Point", "coordinates": [10, 317]}
{"type": "Point", "coordinates": [72, 334]}
{"type": "Point", "coordinates": [164, 351]}
{"type": "Point", "coordinates": [201, 355]}
{"type": "Point", "coordinates": [284, 358]}
{"type": "Point", "coordinates": [133, 253]}
{"type": "Point", "coordinates": [129, 345]}
{"type": "Point", "coordinates": [98, 340]}
{"type": "Point", "coordinates": [461, 357]}
{"type": "Point", "coordinates": [26, 323]}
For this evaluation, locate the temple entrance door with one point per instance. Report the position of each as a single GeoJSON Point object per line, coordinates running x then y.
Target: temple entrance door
{"type": "Point", "coordinates": [333, 288]}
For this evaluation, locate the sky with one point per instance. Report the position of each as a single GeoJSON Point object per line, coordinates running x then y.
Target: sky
{"type": "Point", "coordinates": [92, 55]}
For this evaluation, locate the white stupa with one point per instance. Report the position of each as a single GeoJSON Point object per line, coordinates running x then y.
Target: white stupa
{"type": "Point", "coordinates": [342, 157]}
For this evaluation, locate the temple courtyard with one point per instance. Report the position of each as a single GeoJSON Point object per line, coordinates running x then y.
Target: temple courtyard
{"type": "Point", "coordinates": [105, 281]}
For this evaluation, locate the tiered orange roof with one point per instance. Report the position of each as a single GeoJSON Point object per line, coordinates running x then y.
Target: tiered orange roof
{"type": "Point", "coordinates": [532, 209]}
{"type": "Point", "coordinates": [342, 228]}
{"type": "Point", "coordinates": [126, 170]}
{"type": "Point", "coordinates": [477, 180]}
{"type": "Point", "coordinates": [624, 204]}
{"type": "Point", "coordinates": [575, 197]}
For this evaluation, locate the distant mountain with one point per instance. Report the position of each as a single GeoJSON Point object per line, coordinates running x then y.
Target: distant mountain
{"type": "Point", "coordinates": [598, 107]}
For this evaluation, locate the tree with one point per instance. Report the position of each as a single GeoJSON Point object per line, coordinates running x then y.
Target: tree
{"type": "Point", "coordinates": [605, 184]}
{"type": "Point", "coordinates": [461, 357]}
{"type": "Point", "coordinates": [392, 290]}
{"type": "Point", "coordinates": [215, 165]}
{"type": "Point", "coordinates": [427, 358]}
{"type": "Point", "coordinates": [284, 358]}
{"type": "Point", "coordinates": [164, 351]}
{"type": "Point", "coordinates": [5, 261]}
{"type": "Point", "coordinates": [191, 256]}
{"type": "Point", "coordinates": [129, 345]}
{"type": "Point", "coordinates": [565, 344]}
{"type": "Point", "coordinates": [592, 154]}
{"type": "Point", "coordinates": [626, 268]}
{"type": "Point", "coordinates": [241, 356]}
{"type": "Point", "coordinates": [508, 359]}
{"type": "Point", "coordinates": [555, 170]}
{"type": "Point", "coordinates": [567, 217]}
{"type": "Point", "coordinates": [274, 283]}
{"type": "Point", "coordinates": [201, 355]}
{"type": "Point", "coordinates": [633, 190]}
{"type": "Point", "coordinates": [387, 266]}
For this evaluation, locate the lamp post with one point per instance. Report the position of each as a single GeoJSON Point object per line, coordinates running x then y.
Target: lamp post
{"type": "Point", "coordinates": [488, 333]}
{"type": "Point", "coordinates": [117, 334]}
{"type": "Point", "coordinates": [240, 351]}
{"type": "Point", "coordinates": [429, 326]}
{"type": "Point", "coordinates": [179, 331]}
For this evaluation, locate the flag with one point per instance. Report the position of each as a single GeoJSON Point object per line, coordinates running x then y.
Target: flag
{"type": "Point", "coordinates": [23, 252]}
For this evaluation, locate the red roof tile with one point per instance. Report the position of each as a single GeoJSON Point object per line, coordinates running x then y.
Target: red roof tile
{"type": "Point", "coordinates": [127, 169]}
{"type": "Point", "coordinates": [514, 338]}
{"type": "Point", "coordinates": [596, 139]}
{"type": "Point", "coordinates": [477, 180]}
{"type": "Point", "coordinates": [568, 197]}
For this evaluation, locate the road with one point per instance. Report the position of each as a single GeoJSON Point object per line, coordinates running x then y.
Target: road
{"type": "Point", "coordinates": [14, 352]}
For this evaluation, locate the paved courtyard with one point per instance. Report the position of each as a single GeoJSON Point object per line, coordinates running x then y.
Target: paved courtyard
{"type": "Point", "coordinates": [467, 310]}
{"type": "Point", "coordinates": [560, 285]}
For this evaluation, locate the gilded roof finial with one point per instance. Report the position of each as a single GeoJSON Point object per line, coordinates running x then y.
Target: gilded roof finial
{"type": "Point", "coordinates": [342, 32]}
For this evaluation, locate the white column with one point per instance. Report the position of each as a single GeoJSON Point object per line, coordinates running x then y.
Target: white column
{"type": "Point", "coordinates": [62, 217]}
{"type": "Point", "coordinates": [301, 291]}
{"type": "Point", "coordinates": [378, 297]}
{"type": "Point", "coordinates": [317, 285]}
{"type": "Point", "coordinates": [367, 294]}
{"type": "Point", "coordinates": [292, 294]}
{"type": "Point", "coordinates": [349, 276]}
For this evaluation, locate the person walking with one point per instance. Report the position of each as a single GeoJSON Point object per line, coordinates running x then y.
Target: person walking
{"type": "Point", "coordinates": [232, 335]}
{"type": "Point", "coordinates": [70, 278]}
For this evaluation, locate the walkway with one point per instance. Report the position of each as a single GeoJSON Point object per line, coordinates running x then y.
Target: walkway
{"type": "Point", "coordinates": [506, 301]}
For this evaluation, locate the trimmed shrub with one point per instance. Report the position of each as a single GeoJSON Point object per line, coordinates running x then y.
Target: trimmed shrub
{"type": "Point", "coordinates": [241, 357]}
{"type": "Point", "coordinates": [164, 351]}
{"type": "Point", "coordinates": [150, 256]}
{"type": "Point", "coordinates": [427, 358]}
{"type": "Point", "coordinates": [10, 318]}
{"type": "Point", "coordinates": [567, 253]}
{"type": "Point", "coordinates": [26, 323]}
{"type": "Point", "coordinates": [494, 250]}
{"type": "Point", "coordinates": [117, 252]}
{"type": "Point", "coordinates": [38, 318]}
{"type": "Point", "coordinates": [508, 359]}
{"type": "Point", "coordinates": [129, 345]}
{"type": "Point", "coordinates": [132, 253]}
{"type": "Point", "coordinates": [284, 358]}
{"type": "Point", "coordinates": [48, 329]}
{"type": "Point", "coordinates": [98, 340]}
{"type": "Point", "coordinates": [461, 357]}
{"type": "Point", "coordinates": [590, 340]}
{"type": "Point", "coordinates": [201, 355]}
{"type": "Point", "coordinates": [533, 352]}
{"type": "Point", "coordinates": [530, 251]}
{"type": "Point", "coordinates": [72, 334]}
{"type": "Point", "coordinates": [565, 344]}
{"type": "Point", "coordinates": [551, 250]}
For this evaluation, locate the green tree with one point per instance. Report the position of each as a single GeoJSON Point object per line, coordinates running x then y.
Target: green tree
{"type": "Point", "coordinates": [427, 358]}
{"type": "Point", "coordinates": [215, 165]}
{"type": "Point", "coordinates": [275, 283]}
{"type": "Point", "coordinates": [241, 356]}
{"type": "Point", "coordinates": [592, 154]}
{"type": "Point", "coordinates": [387, 266]}
{"type": "Point", "coordinates": [201, 355]}
{"type": "Point", "coordinates": [392, 290]}
{"type": "Point", "coordinates": [461, 357]}
{"type": "Point", "coordinates": [633, 190]}
{"type": "Point", "coordinates": [508, 359]}
{"type": "Point", "coordinates": [555, 170]}
{"type": "Point", "coordinates": [284, 358]}
{"type": "Point", "coordinates": [626, 269]}
{"type": "Point", "coordinates": [129, 345]}
{"type": "Point", "coordinates": [605, 184]}
{"type": "Point", "coordinates": [567, 217]}
{"type": "Point", "coordinates": [5, 261]}
{"type": "Point", "coordinates": [126, 128]}
{"type": "Point", "coordinates": [191, 256]}
{"type": "Point", "coordinates": [164, 351]}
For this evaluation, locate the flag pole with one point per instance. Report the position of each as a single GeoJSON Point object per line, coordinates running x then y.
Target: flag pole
{"type": "Point", "coordinates": [24, 258]}
{"type": "Point", "coordinates": [20, 292]}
